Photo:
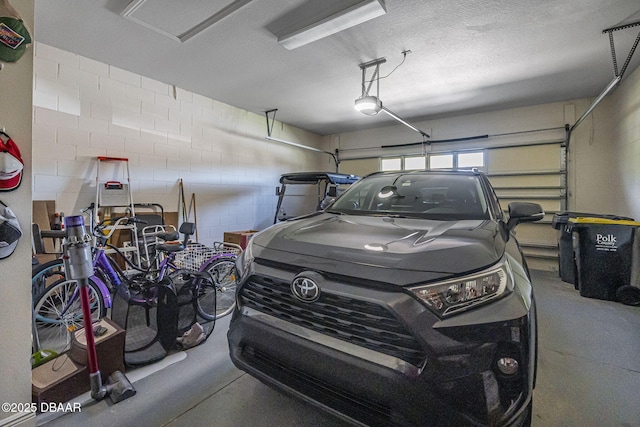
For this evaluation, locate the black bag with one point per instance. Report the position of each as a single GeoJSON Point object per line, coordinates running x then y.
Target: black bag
{"type": "Point", "coordinates": [167, 315]}
{"type": "Point", "coordinates": [150, 330]}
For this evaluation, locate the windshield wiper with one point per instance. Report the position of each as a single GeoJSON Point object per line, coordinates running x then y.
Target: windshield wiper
{"type": "Point", "coordinates": [392, 215]}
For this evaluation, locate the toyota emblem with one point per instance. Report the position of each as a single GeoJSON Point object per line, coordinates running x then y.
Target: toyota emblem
{"type": "Point", "coordinates": [305, 289]}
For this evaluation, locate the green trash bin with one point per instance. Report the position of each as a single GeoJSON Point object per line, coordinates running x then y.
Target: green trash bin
{"type": "Point", "coordinates": [604, 253]}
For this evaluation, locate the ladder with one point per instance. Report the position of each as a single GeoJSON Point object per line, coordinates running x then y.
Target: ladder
{"type": "Point", "coordinates": [113, 193]}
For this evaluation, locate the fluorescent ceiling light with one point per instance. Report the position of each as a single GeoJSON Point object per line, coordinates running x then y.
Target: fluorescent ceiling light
{"type": "Point", "coordinates": [171, 19]}
{"type": "Point", "coordinates": [361, 12]}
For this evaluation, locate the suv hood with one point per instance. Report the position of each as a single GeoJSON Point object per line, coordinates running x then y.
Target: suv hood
{"type": "Point", "coordinates": [444, 248]}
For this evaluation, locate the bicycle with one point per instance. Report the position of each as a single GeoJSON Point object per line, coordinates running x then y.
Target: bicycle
{"type": "Point", "coordinates": [56, 302]}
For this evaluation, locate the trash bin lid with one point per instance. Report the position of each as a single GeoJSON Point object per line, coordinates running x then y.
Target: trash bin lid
{"type": "Point", "coordinates": [596, 220]}
{"type": "Point", "coordinates": [561, 218]}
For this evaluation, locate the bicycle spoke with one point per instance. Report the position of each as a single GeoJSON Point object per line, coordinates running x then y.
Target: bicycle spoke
{"type": "Point", "coordinates": [58, 311]}
{"type": "Point", "coordinates": [223, 272]}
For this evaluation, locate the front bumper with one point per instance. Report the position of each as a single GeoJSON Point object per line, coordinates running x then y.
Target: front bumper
{"type": "Point", "coordinates": [455, 382]}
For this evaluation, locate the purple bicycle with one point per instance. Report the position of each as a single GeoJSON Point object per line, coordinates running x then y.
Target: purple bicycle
{"type": "Point", "coordinates": [209, 273]}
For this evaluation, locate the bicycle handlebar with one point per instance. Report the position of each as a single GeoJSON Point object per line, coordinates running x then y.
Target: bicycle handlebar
{"type": "Point", "coordinates": [88, 208]}
{"type": "Point", "coordinates": [98, 229]}
{"type": "Point", "coordinates": [102, 239]}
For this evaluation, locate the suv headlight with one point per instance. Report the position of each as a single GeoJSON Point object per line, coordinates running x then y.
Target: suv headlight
{"type": "Point", "coordinates": [462, 293]}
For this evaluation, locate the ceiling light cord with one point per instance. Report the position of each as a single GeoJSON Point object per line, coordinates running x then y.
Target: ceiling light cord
{"type": "Point", "coordinates": [404, 57]}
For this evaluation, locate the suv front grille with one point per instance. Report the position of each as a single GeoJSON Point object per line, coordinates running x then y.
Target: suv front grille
{"type": "Point", "coordinates": [352, 320]}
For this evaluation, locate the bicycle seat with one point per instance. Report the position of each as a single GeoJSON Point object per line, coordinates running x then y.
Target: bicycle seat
{"type": "Point", "coordinates": [169, 247]}
{"type": "Point", "coordinates": [167, 236]}
{"type": "Point", "coordinates": [187, 228]}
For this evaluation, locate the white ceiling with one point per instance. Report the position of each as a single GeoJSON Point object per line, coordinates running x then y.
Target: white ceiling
{"type": "Point", "coordinates": [466, 55]}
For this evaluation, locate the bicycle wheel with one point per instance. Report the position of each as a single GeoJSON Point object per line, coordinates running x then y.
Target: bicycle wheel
{"type": "Point", "coordinates": [205, 297]}
{"type": "Point", "coordinates": [45, 274]}
{"type": "Point", "coordinates": [223, 272]}
{"type": "Point", "coordinates": [57, 310]}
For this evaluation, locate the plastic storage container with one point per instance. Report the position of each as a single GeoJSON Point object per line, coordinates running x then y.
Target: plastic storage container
{"type": "Point", "coordinates": [604, 250]}
{"type": "Point", "coordinates": [566, 258]}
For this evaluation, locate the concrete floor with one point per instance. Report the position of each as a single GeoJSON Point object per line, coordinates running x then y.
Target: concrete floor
{"type": "Point", "coordinates": [588, 375]}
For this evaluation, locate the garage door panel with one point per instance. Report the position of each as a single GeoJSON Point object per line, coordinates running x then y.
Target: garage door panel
{"type": "Point", "coordinates": [359, 167]}
{"type": "Point", "coordinates": [533, 233]}
{"type": "Point", "coordinates": [525, 158]}
{"type": "Point", "coordinates": [532, 193]}
{"type": "Point", "coordinates": [526, 181]}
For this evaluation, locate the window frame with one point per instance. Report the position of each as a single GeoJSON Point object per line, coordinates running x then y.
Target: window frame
{"type": "Point", "coordinates": [427, 158]}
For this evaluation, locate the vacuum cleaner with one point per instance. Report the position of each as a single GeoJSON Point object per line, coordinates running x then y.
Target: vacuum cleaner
{"type": "Point", "coordinates": [78, 264]}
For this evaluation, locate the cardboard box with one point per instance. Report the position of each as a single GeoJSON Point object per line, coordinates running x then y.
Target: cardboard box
{"type": "Point", "coordinates": [109, 347]}
{"type": "Point", "coordinates": [43, 214]}
{"type": "Point", "coordinates": [67, 376]}
{"type": "Point", "coordinates": [239, 237]}
{"type": "Point", "coordinates": [171, 218]}
{"type": "Point", "coordinates": [59, 380]}
{"type": "Point", "coordinates": [44, 258]}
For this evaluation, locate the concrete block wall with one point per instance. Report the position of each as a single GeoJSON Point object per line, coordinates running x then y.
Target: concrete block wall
{"type": "Point", "coordinates": [84, 109]}
{"type": "Point", "coordinates": [614, 177]}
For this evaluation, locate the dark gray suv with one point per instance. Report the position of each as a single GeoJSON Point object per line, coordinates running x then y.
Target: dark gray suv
{"type": "Point", "coordinates": [406, 302]}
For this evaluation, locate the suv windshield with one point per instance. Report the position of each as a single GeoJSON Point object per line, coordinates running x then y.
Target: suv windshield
{"type": "Point", "coordinates": [444, 196]}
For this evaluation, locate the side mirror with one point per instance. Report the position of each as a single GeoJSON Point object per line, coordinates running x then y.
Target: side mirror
{"type": "Point", "coordinates": [332, 191]}
{"type": "Point", "coordinates": [523, 212]}
{"type": "Point", "coordinates": [327, 202]}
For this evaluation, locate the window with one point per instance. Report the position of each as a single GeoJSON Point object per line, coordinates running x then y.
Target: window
{"type": "Point", "coordinates": [391, 164]}
{"type": "Point", "coordinates": [441, 161]}
{"type": "Point", "coordinates": [414, 163]}
{"type": "Point", "coordinates": [454, 160]}
{"type": "Point", "coordinates": [471, 160]}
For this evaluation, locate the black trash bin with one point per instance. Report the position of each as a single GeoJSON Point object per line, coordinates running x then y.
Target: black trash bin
{"type": "Point", "coordinates": [603, 253]}
{"type": "Point", "coordinates": [566, 258]}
